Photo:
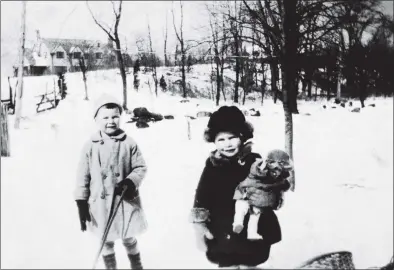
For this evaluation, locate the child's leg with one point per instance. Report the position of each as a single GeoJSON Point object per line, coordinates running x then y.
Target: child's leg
{"type": "Point", "coordinates": [241, 208]}
{"type": "Point", "coordinates": [109, 255]}
{"type": "Point", "coordinates": [133, 252]}
{"type": "Point", "coordinates": [253, 223]}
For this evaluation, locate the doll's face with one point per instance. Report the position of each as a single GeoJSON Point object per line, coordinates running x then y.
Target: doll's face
{"type": "Point", "coordinates": [228, 144]}
{"type": "Point", "coordinates": [274, 167]}
{"type": "Point", "coordinates": [107, 120]}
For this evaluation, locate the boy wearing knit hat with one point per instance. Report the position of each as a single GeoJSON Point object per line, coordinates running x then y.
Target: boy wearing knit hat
{"type": "Point", "coordinates": [270, 175]}
{"type": "Point", "coordinates": [111, 162]}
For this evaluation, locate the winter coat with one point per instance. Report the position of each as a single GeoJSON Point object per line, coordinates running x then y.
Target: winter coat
{"type": "Point", "coordinates": [106, 161]}
{"type": "Point", "coordinates": [214, 195]}
{"type": "Point", "coordinates": [273, 189]}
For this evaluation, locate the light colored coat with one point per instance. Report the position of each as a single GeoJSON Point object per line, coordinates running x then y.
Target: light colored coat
{"type": "Point", "coordinates": [106, 161]}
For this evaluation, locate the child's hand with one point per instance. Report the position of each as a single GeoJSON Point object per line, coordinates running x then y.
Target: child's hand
{"type": "Point", "coordinates": [208, 234]}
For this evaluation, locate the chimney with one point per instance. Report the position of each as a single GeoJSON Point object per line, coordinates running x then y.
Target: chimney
{"type": "Point", "coordinates": [38, 35]}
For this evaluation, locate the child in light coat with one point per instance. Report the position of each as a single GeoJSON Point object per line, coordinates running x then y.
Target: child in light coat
{"type": "Point", "coordinates": [111, 161]}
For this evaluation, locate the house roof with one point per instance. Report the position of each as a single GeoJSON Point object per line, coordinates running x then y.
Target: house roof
{"type": "Point", "coordinates": [68, 44]}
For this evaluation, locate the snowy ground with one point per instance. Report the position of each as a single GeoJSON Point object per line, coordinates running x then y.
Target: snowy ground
{"type": "Point", "coordinates": [343, 198]}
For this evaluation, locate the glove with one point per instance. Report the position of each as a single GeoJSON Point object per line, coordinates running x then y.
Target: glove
{"type": "Point", "coordinates": [202, 233]}
{"type": "Point", "coordinates": [131, 190]}
{"type": "Point", "coordinates": [84, 215]}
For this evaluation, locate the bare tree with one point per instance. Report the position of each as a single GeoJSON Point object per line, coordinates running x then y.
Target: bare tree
{"type": "Point", "coordinates": [181, 40]}
{"type": "Point", "coordinates": [114, 36]}
{"type": "Point", "coordinates": [83, 68]}
{"type": "Point", "coordinates": [165, 43]}
{"type": "Point", "coordinates": [153, 60]}
{"type": "Point", "coordinates": [18, 100]}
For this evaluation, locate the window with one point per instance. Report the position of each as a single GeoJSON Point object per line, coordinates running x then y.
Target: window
{"type": "Point", "coordinates": [99, 55]}
{"type": "Point", "coordinates": [86, 55]}
{"type": "Point", "coordinates": [98, 45]}
{"type": "Point", "coordinates": [59, 54]}
{"type": "Point", "coordinates": [77, 55]}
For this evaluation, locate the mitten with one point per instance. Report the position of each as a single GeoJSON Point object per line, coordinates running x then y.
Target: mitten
{"type": "Point", "coordinates": [131, 189]}
{"type": "Point", "coordinates": [202, 233]}
{"type": "Point", "coordinates": [84, 215]}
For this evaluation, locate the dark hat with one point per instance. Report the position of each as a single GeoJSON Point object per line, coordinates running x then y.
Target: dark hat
{"type": "Point", "coordinates": [230, 119]}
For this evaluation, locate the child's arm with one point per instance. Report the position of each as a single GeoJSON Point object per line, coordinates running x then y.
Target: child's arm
{"type": "Point", "coordinates": [82, 190]}
{"type": "Point", "coordinates": [138, 164]}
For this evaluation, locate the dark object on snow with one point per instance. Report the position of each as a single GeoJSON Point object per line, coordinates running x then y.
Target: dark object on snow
{"type": "Point", "coordinates": [255, 113]}
{"type": "Point", "coordinates": [163, 83]}
{"type": "Point", "coordinates": [156, 116]}
{"type": "Point", "coordinates": [335, 260]}
{"type": "Point", "coordinates": [333, 107]}
{"type": "Point", "coordinates": [371, 105]}
{"type": "Point", "coordinates": [184, 101]}
{"type": "Point", "coordinates": [142, 124]}
{"type": "Point", "coordinates": [356, 110]}
{"type": "Point", "coordinates": [168, 117]}
{"type": "Point", "coordinates": [350, 104]}
{"type": "Point", "coordinates": [141, 112]}
{"type": "Point", "coordinates": [337, 101]}
{"type": "Point", "coordinates": [204, 114]}
{"type": "Point", "coordinates": [62, 85]}
{"type": "Point", "coordinates": [307, 114]}
{"type": "Point", "coordinates": [343, 104]}
{"type": "Point", "coordinates": [324, 106]}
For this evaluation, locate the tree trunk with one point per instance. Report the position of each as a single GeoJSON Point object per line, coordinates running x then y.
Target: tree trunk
{"type": "Point", "coordinates": [18, 101]}
{"type": "Point", "coordinates": [122, 72]}
{"type": "Point", "coordinates": [274, 80]}
{"type": "Point", "coordinates": [237, 71]}
{"type": "Point", "coordinates": [289, 75]}
{"type": "Point", "coordinates": [5, 143]}
{"type": "Point", "coordinates": [309, 83]}
{"type": "Point", "coordinates": [183, 69]}
{"type": "Point", "coordinates": [86, 87]}
{"type": "Point", "coordinates": [218, 88]}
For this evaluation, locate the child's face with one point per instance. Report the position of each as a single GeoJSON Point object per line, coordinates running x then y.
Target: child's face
{"type": "Point", "coordinates": [274, 167]}
{"type": "Point", "coordinates": [228, 144]}
{"type": "Point", "coordinates": [108, 120]}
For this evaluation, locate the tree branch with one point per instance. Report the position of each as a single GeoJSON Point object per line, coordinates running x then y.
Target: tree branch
{"type": "Point", "coordinates": [105, 30]}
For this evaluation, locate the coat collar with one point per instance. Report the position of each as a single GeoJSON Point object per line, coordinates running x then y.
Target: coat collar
{"type": "Point", "coordinates": [101, 136]}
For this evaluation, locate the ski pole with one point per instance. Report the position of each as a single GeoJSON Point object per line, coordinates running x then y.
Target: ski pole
{"type": "Point", "coordinates": [111, 218]}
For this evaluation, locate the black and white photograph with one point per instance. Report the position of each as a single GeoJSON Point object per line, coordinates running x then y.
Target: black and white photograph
{"type": "Point", "coordinates": [197, 134]}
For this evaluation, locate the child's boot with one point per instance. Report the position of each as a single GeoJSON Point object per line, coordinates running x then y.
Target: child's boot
{"type": "Point", "coordinates": [109, 261]}
{"type": "Point", "coordinates": [135, 261]}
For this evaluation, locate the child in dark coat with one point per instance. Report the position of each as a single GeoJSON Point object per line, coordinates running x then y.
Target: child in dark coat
{"type": "Point", "coordinates": [271, 177]}
{"type": "Point", "coordinates": [214, 206]}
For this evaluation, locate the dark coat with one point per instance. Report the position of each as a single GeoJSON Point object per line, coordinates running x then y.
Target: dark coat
{"type": "Point", "coordinates": [215, 194]}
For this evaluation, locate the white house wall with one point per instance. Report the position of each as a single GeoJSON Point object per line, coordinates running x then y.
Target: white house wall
{"type": "Point", "coordinates": [61, 62]}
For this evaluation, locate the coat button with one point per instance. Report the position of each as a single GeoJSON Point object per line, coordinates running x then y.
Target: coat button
{"type": "Point", "coordinates": [104, 176]}
{"type": "Point", "coordinates": [117, 174]}
{"type": "Point", "coordinates": [101, 142]}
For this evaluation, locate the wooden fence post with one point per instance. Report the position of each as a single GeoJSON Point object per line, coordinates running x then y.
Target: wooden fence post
{"type": "Point", "coordinates": [5, 142]}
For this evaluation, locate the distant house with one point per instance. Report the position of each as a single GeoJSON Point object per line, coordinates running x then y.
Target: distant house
{"type": "Point", "coordinates": [54, 55]}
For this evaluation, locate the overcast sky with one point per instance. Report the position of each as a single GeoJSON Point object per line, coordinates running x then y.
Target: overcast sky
{"type": "Point", "coordinates": [71, 19]}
